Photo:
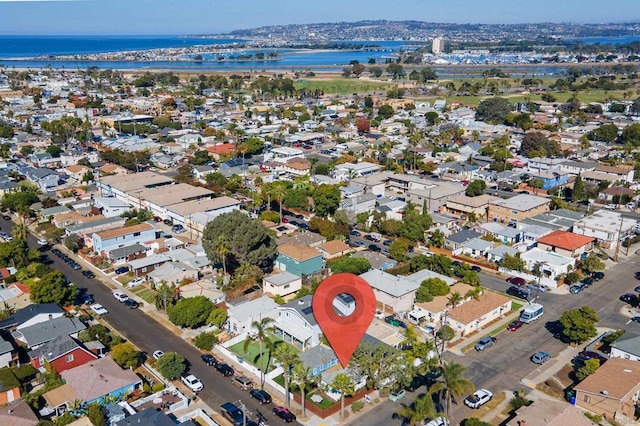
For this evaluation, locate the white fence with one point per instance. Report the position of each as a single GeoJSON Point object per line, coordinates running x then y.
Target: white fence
{"type": "Point", "coordinates": [201, 415]}
{"type": "Point", "coordinates": [549, 282]}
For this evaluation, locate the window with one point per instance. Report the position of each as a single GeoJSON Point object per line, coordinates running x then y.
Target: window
{"type": "Point", "coordinates": [286, 286]}
{"type": "Point", "coordinates": [587, 399]}
{"type": "Point", "coordinates": [69, 358]}
{"type": "Point", "coordinates": [136, 234]}
{"type": "Point", "coordinates": [41, 361]}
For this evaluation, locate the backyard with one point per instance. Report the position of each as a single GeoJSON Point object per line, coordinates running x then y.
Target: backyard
{"type": "Point", "coordinates": [253, 356]}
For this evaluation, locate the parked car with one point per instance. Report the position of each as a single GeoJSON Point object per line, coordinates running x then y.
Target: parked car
{"type": "Point", "coordinates": [476, 268]}
{"type": "Point", "coordinates": [629, 297]}
{"type": "Point", "coordinates": [513, 326]}
{"type": "Point", "coordinates": [588, 281]}
{"type": "Point", "coordinates": [168, 222]}
{"type": "Point", "coordinates": [484, 343]}
{"type": "Point", "coordinates": [415, 384]}
{"type": "Point", "coordinates": [134, 282]}
{"type": "Point", "coordinates": [120, 296]}
{"type": "Point", "coordinates": [591, 354]}
{"type": "Point", "coordinates": [354, 233]}
{"type": "Point", "coordinates": [438, 421]}
{"type": "Point", "coordinates": [387, 242]}
{"type": "Point", "coordinates": [261, 395]}
{"type": "Point", "coordinates": [232, 413]}
{"type": "Point", "coordinates": [192, 382]}
{"type": "Point", "coordinates": [42, 242]}
{"type": "Point", "coordinates": [577, 288]}
{"type": "Point", "coordinates": [516, 281]}
{"type": "Point", "coordinates": [86, 298]}
{"type": "Point", "coordinates": [88, 274]}
{"type": "Point", "coordinates": [540, 357]}
{"type": "Point", "coordinates": [178, 228]}
{"type": "Point", "coordinates": [284, 414]}
{"type": "Point", "coordinates": [243, 382]}
{"type": "Point", "coordinates": [157, 354]}
{"type": "Point", "coordinates": [397, 394]}
{"type": "Point", "coordinates": [374, 248]}
{"type": "Point", "coordinates": [478, 399]}
{"type": "Point", "coordinates": [598, 276]}
{"type": "Point", "coordinates": [6, 217]}
{"type": "Point", "coordinates": [518, 292]}
{"type": "Point", "coordinates": [635, 319]}
{"type": "Point", "coordinates": [131, 304]}
{"type": "Point", "coordinates": [432, 376]}
{"type": "Point", "coordinates": [224, 369]}
{"type": "Point", "coordinates": [122, 270]}
{"type": "Point", "coordinates": [99, 309]}
{"type": "Point", "coordinates": [537, 287]}
{"type": "Point", "coordinates": [209, 359]}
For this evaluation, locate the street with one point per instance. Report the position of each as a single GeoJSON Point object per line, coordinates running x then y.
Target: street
{"type": "Point", "coordinates": [149, 335]}
{"type": "Point", "coordinates": [506, 363]}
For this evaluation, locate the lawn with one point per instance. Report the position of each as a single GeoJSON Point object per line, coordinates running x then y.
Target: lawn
{"type": "Point", "coordinates": [343, 86]}
{"type": "Point", "coordinates": [146, 294]}
{"type": "Point", "coordinates": [252, 355]}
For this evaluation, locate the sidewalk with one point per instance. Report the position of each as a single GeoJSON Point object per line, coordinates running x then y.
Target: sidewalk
{"type": "Point", "coordinates": [462, 343]}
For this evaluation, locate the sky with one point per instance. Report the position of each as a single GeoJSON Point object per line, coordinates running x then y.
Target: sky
{"type": "Point", "coordinates": [168, 17]}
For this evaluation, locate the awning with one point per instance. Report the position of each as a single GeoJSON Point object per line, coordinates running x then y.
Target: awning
{"type": "Point", "coordinates": [299, 333]}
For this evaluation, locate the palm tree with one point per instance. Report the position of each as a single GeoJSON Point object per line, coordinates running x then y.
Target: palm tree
{"type": "Point", "coordinates": [20, 232]}
{"type": "Point", "coordinates": [454, 299]}
{"type": "Point", "coordinates": [453, 386]}
{"type": "Point", "coordinates": [474, 293]}
{"type": "Point", "coordinates": [165, 294]}
{"type": "Point", "coordinates": [301, 376]}
{"type": "Point", "coordinates": [263, 328]}
{"type": "Point", "coordinates": [343, 384]}
{"type": "Point", "coordinates": [287, 356]}
{"type": "Point", "coordinates": [278, 192]}
{"type": "Point", "coordinates": [421, 409]}
{"type": "Point", "coordinates": [222, 249]}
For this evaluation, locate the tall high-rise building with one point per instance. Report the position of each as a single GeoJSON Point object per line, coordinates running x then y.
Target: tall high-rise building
{"type": "Point", "coordinates": [438, 45]}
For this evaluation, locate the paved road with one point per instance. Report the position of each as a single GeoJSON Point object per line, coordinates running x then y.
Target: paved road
{"type": "Point", "coordinates": [506, 363]}
{"type": "Point", "coordinates": [149, 335]}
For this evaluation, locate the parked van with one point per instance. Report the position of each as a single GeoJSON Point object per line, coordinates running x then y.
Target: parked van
{"type": "Point", "coordinates": [531, 313]}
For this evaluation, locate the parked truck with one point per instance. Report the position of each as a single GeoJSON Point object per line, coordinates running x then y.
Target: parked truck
{"type": "Point", "coordinates": [531, 312]}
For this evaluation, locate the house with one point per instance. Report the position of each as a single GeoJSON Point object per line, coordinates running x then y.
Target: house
{"type": "Point", "coordinates": [612, 390]}
{"type": "Point", "coordinates": [622, 172]}
{"type": "Point", "coordinates": [476, 248]}
{"type": "Point", "coordinates": [496, 254]}
{"type": "Point", "coordinates": [32, 314]}
{"type": "Point", "coordinates": [76, 172]}
{"type": "Point", "coordinates": [307, 239]}
{"type": "Point", "coordinates": [465, 205]}
{"type": "Point", "coordinates": [111, 206]}
{"type": "Point", "coordinates": [143, 266]}
{"type": "Point", "coordinates": [376, 260]}
{"type": "Point", "coordinates": [318, 359]}
{"type": "Point", "coordinates": [91, 382]}
{"type": "Point", "coordinates": [105, 241]}
{"type": "Point", "coordinates": [112, 169]}
{"type": "Point", "coordinates": [297, 325]}
{"type": "Point", "coordinates": [8, 355]}
{"type": "Point", "coordinates": [61, 353]}
{"type": "Point", "coordinates": [553, 219]}
{"type": "Point", "coordinates": [17, 413]}
{"type": "Point", "coordinates": [126, 254]}
{"type": "Point", "coordinates": [567, 244]}
{"type": "Point", "coordinates": [360, 203]}
{"type": "Point", "coordinates": [551, 264]}
{"type": "Point", "coordinates": [241, 316]}
{"type": "Point", "coordinates": [626, 346]}
{"type": "Point", "coordinates": [550, 413]}
{"type": "Point", "coordinates": [9, 387]}
{"type": "Point", "coordinates": [504, 234]}
{"type": "Point", "coordinates": [299, 260]}
{"type": "Point", "coordinates": [172, 272]}
{"type": "Point", "coordinates": [455, 242]}
{"type": "Point", "coordinates": [38, 334]}
{"type": "Point", "coordinates": [616, 195]}
{"type": "Point", "coordinates": [45, 179]}
{"type": "Point", "coordinates": [281, 284]}
{"type": "Point", "coordinates": [152, 416]}
{"type": "Point", "coordinates": [513, 210]}
{"type": "Point", "coordinates": [607, 227]}
{"type": "Point", "coordinates": [334, 248]}
{"type": "Point", "coordinates": [393, 293]}
{"type": "Point", "coordinates": [204, 287]}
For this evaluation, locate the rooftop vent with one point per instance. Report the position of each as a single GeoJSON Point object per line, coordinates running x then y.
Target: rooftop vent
{"type": "Point", "coordinates": [604, 392]}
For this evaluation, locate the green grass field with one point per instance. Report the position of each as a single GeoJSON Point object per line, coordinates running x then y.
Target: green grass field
{"type": "Point", "coordinates": [145, 294]}
{"type": "Point", "coordinates": [252, 354]}
{"type": "Point", "coordinates": [342, 86]}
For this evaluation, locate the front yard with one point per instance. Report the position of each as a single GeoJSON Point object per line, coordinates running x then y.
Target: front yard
{"type": "Point", "coordinates": [252, 354]}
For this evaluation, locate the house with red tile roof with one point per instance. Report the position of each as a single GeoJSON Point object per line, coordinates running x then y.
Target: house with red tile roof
{"type": "Point", "coordinates": [567, 244]}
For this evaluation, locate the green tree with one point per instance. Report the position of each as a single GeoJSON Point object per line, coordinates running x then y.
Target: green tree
{"type": "Point", "coordinates": [399, 250]}
{"type": "Point", "coordinates": [97, 414]}
{"type": "Point", "coordinates": [423, 408]}
{"type": "Point", "coordinates": [217, 317]}
{"type": "Point", "coordinates": [537, 144]}
{"type": "Point", "coordinates": [166, 296]}
{"type": "Point", "coordinates": [205, 340]}
{"type": "Point", "coordinates": [453, 385]}
{"type": "Point", "coordinates": [352, 265]}
{"type": "Point", "coordinates": [631, 135]}
{"type": "Point", "coordinates": [191, 312]}
{"type": "Point", "coordinates": [126, 356]}
{"type": "Point", "coordinates": [6, 130]}
{"type": "Point", "coordinates": [605, 133]}
{"type": "Point", "coordinates": [171, 365]}
{"type": "Point", "coordinates": [386, 111]}
{"type": "Point", "coordinates": [579, 189]}
{"type": "Point", "coordinates": [287, 356]}
{"type": "Point", "coordinates": [578, 325]}
{"type": "Point", "coordinates": [590, 366]}
{"type": "Point", "coordinates": [494, 110]}
{"type": "Point", "coordinates": [414, 226]}
{"type": "Point", "coordinates": [263, 330]}
{"type": "Point", "coordinates": [437, 239]}
{"type": "Point", "coordinates": [74, 242]}
{"type": "Point", "coordinates": [436, 286]}
{"type": "Point", "coordinates": [513, 262]}
{"type": "Point", "coordinates": [343, 384]}
{"type": "Point", "coordinates": [375, 362]}
{"type": "Point", "coordinates": [326, 199]}
{"type": "Point", "coordinates": [249, 241]}
{"type": "Point", "coordinates": [476, 188]}
{"type": "Point", "coordinates": [53, 288]}
{"type": "Point", "coordinates": [591, 264]}
{"type": "Point", "coordinates": [221, 247]}
{"type": "Point", "coordinates": [200, 157]}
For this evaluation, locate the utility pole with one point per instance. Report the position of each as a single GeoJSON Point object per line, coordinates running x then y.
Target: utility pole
{"type": "Point", "coordinates": [244, 412]}
{"type": "Point", "coordinates": [615, 255]}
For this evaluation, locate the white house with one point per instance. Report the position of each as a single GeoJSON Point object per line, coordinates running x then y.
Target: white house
{"type": "Point", "coordinates": [627, 346]}
{"type": "Point", "coordinates": [282, 284]}
{"type": "Point", "coordinates": [393, 293]}
{"type": "Point", "coordinates": [297, 325]}
{"type": "Point", "coordinates": [551, 263]}
{"type": "Point", "coordinates": [111, 206]}
{"type": "Point", "coordinates": [606, 227]}
{"type": "Point", "coordinates": [241, 316]}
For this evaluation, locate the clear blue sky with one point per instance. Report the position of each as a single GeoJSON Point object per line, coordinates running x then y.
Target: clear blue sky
{"type": "Point", "coordinates": [218, 16]}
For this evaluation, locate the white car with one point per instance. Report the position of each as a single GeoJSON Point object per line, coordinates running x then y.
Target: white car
{"type": "Point", "coordinates": [192, 382]}
{"type": "Point", "coordinates": [157, 354]}
{"type": "Point", "coordinates": [42, 242]}
{"type": "Point", "coordinates": [120, 296]}
{"type": "Point", "coordinates": [99, 309]}
{"type": "Point", "coordinates": [134, 282]}
{"type": "Point", "coordinates": [438, 421]}
{"type": "Point", "coordinates": [478, 399]}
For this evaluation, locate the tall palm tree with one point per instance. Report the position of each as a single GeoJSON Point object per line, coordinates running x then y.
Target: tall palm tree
{"type": "Point", "coordinates": [301, 376]}
{"type": "Point", "coordinates": [453, 385]}
{"type": "Point", "coordinates": [454, 299]}
{"type": "Point", "coordinates": [278, 192]}
{"type": "Point", "coordinates": [421, 409]}
{"type": "Point", "coordinates": [287, 356]}
{"type": "Point", "coordinates": [343, 384]}
{"type": "Point", "coordinates": [474, 293]}
{"type": "Point", "coordinates": [222, 249]}
{"type": "Point", "coordinates": [263, 328]}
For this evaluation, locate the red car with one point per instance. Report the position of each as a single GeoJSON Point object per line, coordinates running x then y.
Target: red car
{"type": "Point", "coordinates": [284, 414]}
{"type": "Point", "coordinates": [517, 281]}
{"type": "Point", "coordinates": [515, 325]}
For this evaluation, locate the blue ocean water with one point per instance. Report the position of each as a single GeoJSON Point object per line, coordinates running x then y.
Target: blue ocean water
{"type": "Point", "coordinates": [28, 46]}
{"type": "Point", "coordinates": [605, 40]}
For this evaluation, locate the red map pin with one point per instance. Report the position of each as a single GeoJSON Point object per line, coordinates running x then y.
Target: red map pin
{"type": "Point", "coordinates": [344, 332]}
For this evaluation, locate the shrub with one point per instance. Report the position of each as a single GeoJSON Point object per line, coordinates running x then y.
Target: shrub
{"type": "Point", "coordinates": [157, 387]}
{"type": "Point", "coordinates": [205, 340]}
{"type": "Point", "coordinates": [25, 372]}
{"type": "Point", "coordinates": [572, 277]}
{"type": "Point", "coordinates": [384, 392]}
{"type": "Point", "coordinates": [191, 312]}
{"type": "Point", "coordinates": [357, 405]}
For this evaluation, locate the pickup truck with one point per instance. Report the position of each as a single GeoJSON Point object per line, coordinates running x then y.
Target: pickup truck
{"type": "Point", "coordinates": [192, 382]}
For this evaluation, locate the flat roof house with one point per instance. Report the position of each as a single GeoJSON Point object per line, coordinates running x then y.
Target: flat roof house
{"type": "Point", "coordinates": [281, 284]}
{"type": "Point", "coordinates": [242, 315]}
{"type": "Point", "coordinates": [606, 227]}
{"type": "Point", "coordinates": [393, 293]}
{"type": "Point", "coordinates": [513, 210]}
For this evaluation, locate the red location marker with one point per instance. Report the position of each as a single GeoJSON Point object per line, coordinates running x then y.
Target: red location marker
{"type": "Point", "coordinates": [344, 332]}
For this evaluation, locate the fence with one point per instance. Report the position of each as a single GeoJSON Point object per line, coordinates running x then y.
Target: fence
{"type": "Point", "coordinates": [201, 415]}
{"type": "Point", "coordinates": [183, 403]}
{"type": "Point", "coordinates": [333, 409]}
